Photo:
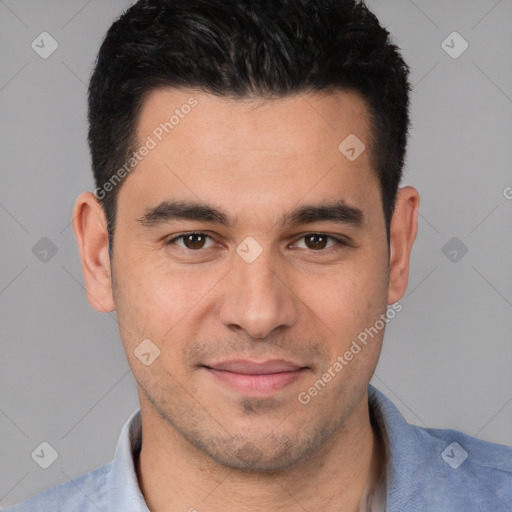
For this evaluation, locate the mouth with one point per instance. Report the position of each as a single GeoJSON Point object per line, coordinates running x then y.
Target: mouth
{"type": "Point", "coordinates": [253, 378]}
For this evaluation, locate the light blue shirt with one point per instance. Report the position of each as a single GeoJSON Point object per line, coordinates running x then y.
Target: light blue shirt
{"type": "Point", "coordinates": [429, 470]}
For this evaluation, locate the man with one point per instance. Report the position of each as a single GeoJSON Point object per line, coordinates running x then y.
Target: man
{"type": "Point", "coordinates": [249, 231]}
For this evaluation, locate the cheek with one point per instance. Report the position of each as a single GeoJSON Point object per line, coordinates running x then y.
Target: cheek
{"type": "Point", "coordinates": [161, 303]}
{"type": "Point", "coordinates": [155, 309]}
{"type": "Point", "coordinates": [141, 299]}
{"type": "Point", "coordinates": [351, 297]}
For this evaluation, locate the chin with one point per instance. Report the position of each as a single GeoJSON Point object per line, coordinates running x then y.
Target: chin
{"type": "Point", "coordinates": [271, 455]}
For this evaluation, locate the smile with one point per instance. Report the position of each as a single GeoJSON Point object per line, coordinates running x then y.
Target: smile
{"type": "Point", "coordinates": [256, 379]}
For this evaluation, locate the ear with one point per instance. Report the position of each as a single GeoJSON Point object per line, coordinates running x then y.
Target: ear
{"type": "Point", "coordinates": [90, 227]}
{"type": "Point", "coordinates": [403, 229]}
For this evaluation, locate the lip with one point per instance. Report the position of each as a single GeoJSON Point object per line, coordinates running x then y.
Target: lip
{"type": "Point", "coordinates": [248, 367]}
{"type": "Point", "coordinates": [256, 378]}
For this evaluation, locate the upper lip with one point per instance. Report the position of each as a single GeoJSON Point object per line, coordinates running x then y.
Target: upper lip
{"type": "Point", "coordinates": [247, 367]}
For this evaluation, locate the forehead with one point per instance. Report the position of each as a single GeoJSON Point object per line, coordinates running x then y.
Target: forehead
{"type": "Point", "coordinates": [252, 151]}
{"type": "Point", "coordinates": [298, 123]}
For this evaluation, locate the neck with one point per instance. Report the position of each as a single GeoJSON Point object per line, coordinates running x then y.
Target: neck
{"type": "Point", "coordinates": [174, 476]}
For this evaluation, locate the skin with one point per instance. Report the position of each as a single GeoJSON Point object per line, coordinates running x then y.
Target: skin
{"type": "Point", "coordinates": [205, 444]}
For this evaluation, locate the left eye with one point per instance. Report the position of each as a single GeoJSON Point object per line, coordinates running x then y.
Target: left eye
{"type": "Point", "coordinates": [192, 241]}
{"type": "Point", "coordinates": [313, 241]}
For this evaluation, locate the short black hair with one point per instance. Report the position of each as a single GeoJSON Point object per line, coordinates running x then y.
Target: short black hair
{"type": "Point", "coordinates": [245, 49]}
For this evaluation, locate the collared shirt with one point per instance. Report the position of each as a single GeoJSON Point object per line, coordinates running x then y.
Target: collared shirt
{"type": "Point", "coordinates": [427, 470]}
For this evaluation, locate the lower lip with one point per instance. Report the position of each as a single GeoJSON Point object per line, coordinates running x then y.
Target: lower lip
{"type": "Point", "coordinates": [257, 385]}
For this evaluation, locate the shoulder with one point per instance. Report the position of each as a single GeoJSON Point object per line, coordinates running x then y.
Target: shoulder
{"type": "Point", "coordinates": [85, 493]}
{"type": "Point", "coordinates": [469, 470]}
{"type": "Point", "coordinates": [440, 470]}
{"type": "Point", "coordinates": [465, 447]}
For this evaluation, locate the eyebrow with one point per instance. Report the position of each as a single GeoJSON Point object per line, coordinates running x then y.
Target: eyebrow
{"type": "Point", "coordinates": [167, 211]}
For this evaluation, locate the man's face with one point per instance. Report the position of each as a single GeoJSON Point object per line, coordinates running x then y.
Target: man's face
{"type": "Point", "coordinates": [258, 289]}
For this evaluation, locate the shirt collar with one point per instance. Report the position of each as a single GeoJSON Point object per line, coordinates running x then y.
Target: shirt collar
{"type": "Point", "coordinates": [125, 490]}
{"type": "Point", "coordinates": [411, 453]}
{"type": "Point", "coordinates": [407, 467]}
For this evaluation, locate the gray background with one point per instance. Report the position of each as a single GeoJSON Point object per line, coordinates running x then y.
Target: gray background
{"type": "Point", "coordinates": [447, 356]}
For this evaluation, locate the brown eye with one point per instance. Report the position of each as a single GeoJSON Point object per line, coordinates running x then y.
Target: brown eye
{"type": "Point", "coordinates": [191, 241]}
{"type": "Point", "coordinates": [319, 241]}
{"type": "Point", "coordinates": [316, 241]}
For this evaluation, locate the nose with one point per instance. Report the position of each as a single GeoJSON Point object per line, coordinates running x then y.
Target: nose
{"type": "Point", "coordinates": [258, 297]}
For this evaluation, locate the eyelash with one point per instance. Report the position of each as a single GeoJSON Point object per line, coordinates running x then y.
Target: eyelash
{"type": "Point", "coordinates": [339, 241]}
